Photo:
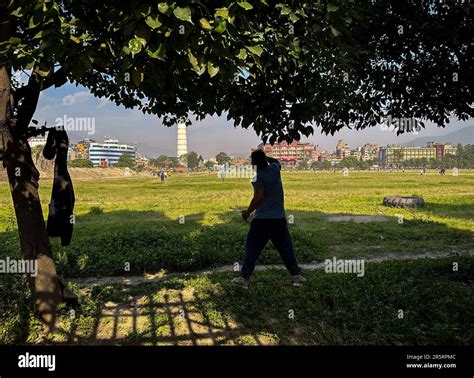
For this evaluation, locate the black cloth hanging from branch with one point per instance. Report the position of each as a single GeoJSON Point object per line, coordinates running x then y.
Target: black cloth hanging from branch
{"type": "Point", "coordinates": [60, 217]}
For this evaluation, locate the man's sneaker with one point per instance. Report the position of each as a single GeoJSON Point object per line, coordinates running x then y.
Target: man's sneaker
{"type": "Point", "coordinates": [241, 282]}
{"type": "Point", "coordinates": [298, 280]}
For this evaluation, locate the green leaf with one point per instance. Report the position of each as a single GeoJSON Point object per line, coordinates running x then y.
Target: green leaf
{"type": "Point", "coordinates": [293, 17]}
{"type": "Point", "coordinates": [159, 53]}
{"type": "Point", "coordinates": [42, 72]}
{"type": "Point", "coordinates": [183, 14]}
{"type": "Point", "coordinates": [197, 67]}
{"type": "Point", "coordinates": [245, 4]}
{"type": "Point", "coordinates": [43, 33]}
{"type": "Point", "coordinates": [332, 7]}
{"type": "Point", "coordinates": [17, 12]}
{"type": "Point", "coordinates": [125, 50]}
{"type": "Point", "coordinates": [141, 40]}
{"type": "Point", "coordinates": [222, 13]}
{"type": "Point", "coordinates": [221, 27]}
{"type": "Point", "coordinates": [242, 54]}
{"type": "Point", "coordinates": [335, 32]}
{"type": "Point", "coordinates": [135, 46]}
{"type": "Point", "coordinates": [153, 22]}
{"type": "Point", "coordinates": [205, 24]}
{"type": "Point", "coordinates": [213, 70]}
{"type": "Point", "coordinates": [163, 7]}
{"type": "Point", "coordinates": [15, 40]}
{"type": "Point", "coordinates": [285, 11]}
{"type": "Point", "coordinates": [32, 24]}
{"type": "Point", "coordinates": [71, 37]}
{"type": "Point", "coordinates": [257, 50]}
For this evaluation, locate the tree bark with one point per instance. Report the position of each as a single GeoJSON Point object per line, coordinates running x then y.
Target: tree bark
{"type": "Point", "coordinates": [22, 177]}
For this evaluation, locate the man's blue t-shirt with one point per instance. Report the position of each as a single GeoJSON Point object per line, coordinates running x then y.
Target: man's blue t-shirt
{"type": "Point", "coordinates": [272, 206]}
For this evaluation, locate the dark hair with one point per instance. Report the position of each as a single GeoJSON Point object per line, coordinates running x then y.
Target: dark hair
{"type": "Point", "coordinates": [259, 159]}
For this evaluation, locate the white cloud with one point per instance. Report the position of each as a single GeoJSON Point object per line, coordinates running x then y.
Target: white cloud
{"type": "Point", "coordinates": [103, 101]}
{"type": "Point", "coordinates": [76, 98]}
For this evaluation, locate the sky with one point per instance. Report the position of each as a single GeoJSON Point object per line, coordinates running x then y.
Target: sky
{"type": "Point", "coordinates": [208, 137]}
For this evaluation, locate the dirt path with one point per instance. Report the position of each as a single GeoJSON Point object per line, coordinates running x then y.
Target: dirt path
{"type": "Point", "coordinates": [156, 277]}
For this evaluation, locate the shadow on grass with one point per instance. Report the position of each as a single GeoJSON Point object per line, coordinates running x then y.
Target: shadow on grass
{"type": "Point", "coordinates": [176, 318]}
{"type": "Point", "coordinates": [460, 211]}
{"type": "Point", "coordinates": [330, 309]}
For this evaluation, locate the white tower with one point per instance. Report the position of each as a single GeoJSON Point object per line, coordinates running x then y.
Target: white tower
{"type": "Point", "coordinates": [182, 147]}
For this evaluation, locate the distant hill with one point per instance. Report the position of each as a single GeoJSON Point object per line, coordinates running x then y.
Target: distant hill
{"type": "Point", "coordinates": [463, 136]}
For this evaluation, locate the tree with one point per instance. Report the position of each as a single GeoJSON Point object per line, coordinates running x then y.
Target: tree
{"type": "Point", "coordinates": [193, 160]}
{"type": "Point", "coordinates": [125, 161]}
{"type": "Point", "coordinates": [303, 164]}
{"type": "Point", "coordinates": [348, 162]}
{"type": "Point", "coordinates": [209, 164]}
{"type": "Point", "coordinates": [321, 165]}
{"type": "Point", "coordinates": [308, 64]}
{"type": "Point", "coordinates": [222, 158]}
{"type": "Point", "coordinates": [363, 164]}
{"type": "Point", "coordinates": [80, 163]}
{"type": "Point", "coordinates": [164, 161]}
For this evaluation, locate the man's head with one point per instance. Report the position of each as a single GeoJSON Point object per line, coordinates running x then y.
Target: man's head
{"type": "Point", "coordinates": [259, 159]}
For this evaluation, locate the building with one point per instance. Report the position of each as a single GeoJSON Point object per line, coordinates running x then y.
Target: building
{"type": "Point", "coordinates": [442, 149]}
{"type": "Point", "coordinates": [239, 160]}
{"type": "Point", "coordinates": [449, 149]}
{"type": "Point", "coordinates": [357, 153]}
{"type": "Point", "coordinates": [182, 145]}
{"type": "Point", "coordinates": [342, 149]}
{"type": "Point", "coordinates": [289, 153]}
{"type": "Point", "coordinates": [72, 152]}
{"type": "Point", "coordinates": [317, 154]}
{"type": "Point", "coordinates": [394, 154]}
{"type": "Point", "coordinates": [369, 151]}
{"type": "Point", "coordinates": [82, 148]}
{"type": "Point", "coordinates": [108, 153]}
{"type": "Point", "coordinates": [141, 160]}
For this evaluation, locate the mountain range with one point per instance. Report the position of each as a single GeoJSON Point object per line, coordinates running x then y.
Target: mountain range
{"type": "Point", "coordinates": [463, 136]}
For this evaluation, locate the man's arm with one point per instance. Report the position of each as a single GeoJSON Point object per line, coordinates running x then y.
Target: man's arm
{"type": "Point", "coordinates": [258, 195]}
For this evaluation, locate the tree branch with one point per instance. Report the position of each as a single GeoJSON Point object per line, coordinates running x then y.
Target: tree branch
{"type": "Point", "coordinates": [30, 101]}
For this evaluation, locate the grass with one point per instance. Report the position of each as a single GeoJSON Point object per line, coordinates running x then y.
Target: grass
{"type": "Point", "coordinates": [137, 221]}
{"type": "Point", "coordinates": [330, 309]}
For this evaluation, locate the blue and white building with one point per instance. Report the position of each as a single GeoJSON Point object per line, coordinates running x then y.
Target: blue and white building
{"type": "Point", "coordinates": [108, 153]}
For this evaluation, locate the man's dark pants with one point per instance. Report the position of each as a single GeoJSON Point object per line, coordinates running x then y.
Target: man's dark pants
{"type": "Point", "coordinates": [261, 231]}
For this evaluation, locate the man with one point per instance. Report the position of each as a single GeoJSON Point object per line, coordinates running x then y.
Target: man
{"type": "Point", "coordinates": [269, 221]}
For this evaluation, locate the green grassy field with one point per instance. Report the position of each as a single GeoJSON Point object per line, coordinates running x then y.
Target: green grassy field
{"type": "Point", "coordinates": [137, 221]}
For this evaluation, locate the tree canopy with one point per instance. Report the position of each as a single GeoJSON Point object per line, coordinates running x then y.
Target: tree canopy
{"type": "Point", "coordinates": [125, 161]}
{"type": "Point", "coordinates": [303, 64]}
{"type": "Point", "coordinates": [192, 159]}
{"type": "Point", "coordinates": [222, 158]}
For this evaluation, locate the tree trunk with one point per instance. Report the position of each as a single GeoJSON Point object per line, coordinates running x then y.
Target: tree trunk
{"type": "Point", "coordinates": [22, 177]}
{"type": "Point", "coordinates": [31, 227]}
